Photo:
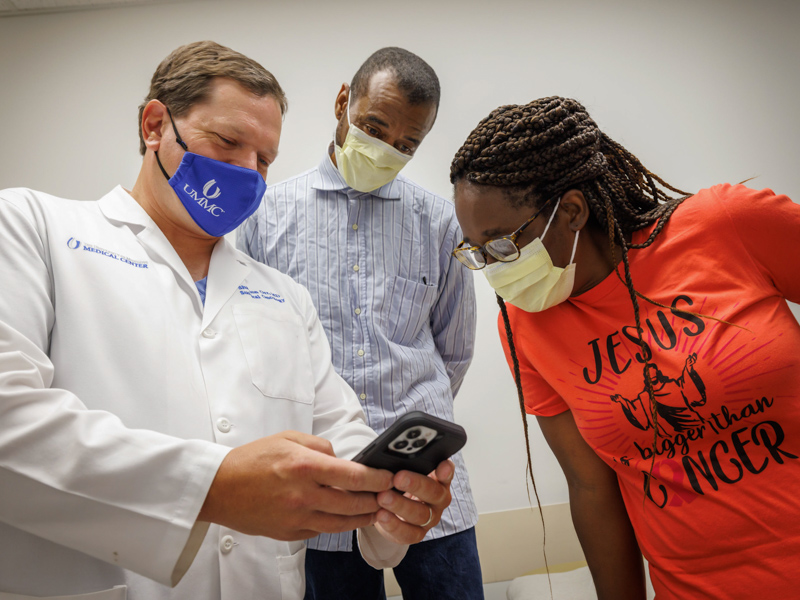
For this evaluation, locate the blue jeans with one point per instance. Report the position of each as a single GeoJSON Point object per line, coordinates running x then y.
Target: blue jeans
{"type": "Point", "coordinates": [443, 569]}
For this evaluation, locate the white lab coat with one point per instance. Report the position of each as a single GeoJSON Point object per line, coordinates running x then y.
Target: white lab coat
{"type": "Point", "coordinates": [120, 394]}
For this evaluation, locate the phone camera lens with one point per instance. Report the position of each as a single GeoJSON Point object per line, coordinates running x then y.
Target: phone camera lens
{"type": "Point", "coordinates": [400, 444]}
{"type": "Point", "coordinates": [414, 433]}
{"type": "Point", "coordinates": [419, 443]}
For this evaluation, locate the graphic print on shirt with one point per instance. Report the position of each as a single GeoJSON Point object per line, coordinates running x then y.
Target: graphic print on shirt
{"type": "Point", "coordinates": [704, 442]}
{"type": "Point", "coordinates": [677, 400]}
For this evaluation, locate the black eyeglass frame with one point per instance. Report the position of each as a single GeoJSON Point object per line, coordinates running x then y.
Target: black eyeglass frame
{"type": "Point", "coordinates": [461, 249]}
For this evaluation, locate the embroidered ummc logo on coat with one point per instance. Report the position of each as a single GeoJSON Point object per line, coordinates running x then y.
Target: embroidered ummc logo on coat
{"type": "Point", "coordinates": [75, 244]}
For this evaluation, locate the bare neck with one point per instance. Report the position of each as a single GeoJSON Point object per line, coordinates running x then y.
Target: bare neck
{"type": "Point", "coordinates": [158, 200]}
{"type": "Point", "coordinates": [596, 262]}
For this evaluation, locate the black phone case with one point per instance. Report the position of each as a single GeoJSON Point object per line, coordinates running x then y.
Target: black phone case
{"type": "Point", "coordinates": [450, 438]}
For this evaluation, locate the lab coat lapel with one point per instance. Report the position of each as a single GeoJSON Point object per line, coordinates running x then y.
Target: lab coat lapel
{"type": "Point", "coordinates": [225, 273]}
{"type": "Point", "coordinates": [118, 205]}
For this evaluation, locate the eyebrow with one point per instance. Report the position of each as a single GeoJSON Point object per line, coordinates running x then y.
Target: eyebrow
{"type": "Point", "coordinates": [271, 157]}
{"type": "Point", "coordinates": [376, 120]}
{"type": "Point", "coordinates": [490, 234]}
{"type": "Point", "coordinates": [493, 233]}
{"type": "Point", "coordinates": [229, 125]}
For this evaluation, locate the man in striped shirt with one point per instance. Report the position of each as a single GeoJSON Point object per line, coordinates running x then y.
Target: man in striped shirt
{"type": "Point", "coordinates": [374, 249]}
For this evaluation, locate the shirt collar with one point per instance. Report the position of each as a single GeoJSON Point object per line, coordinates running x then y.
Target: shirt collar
{"type": "Point", "coordinates": [118, 205]}
{"type": "Point", "coordinates": [327, 177]}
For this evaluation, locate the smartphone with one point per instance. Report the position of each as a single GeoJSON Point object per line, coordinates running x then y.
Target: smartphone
{"type": "Point", "coordinates": [415, 442]}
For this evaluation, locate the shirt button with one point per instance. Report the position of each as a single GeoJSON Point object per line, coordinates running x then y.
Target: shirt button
{"type": "Point", "coordinates": [224, 425]}
{"type": "Point", "coordinates": [363, 396]}
{"type": "Point", "coordinates": [355, 227]}
{"type": "Point", "coordinates": [355, 267]}
{"type": "Point", "coordinates": [209, 333]}
{"type": "Point", "coordinates": [358, 311]}
{"type": "Point", "coordinates": [226, 544]}
{"type": "Point", "coordinates": [360, 353]}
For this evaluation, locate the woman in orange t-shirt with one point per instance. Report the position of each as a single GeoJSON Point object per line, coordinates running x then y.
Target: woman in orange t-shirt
{"type": "Point", "coordinates": [648, 331]}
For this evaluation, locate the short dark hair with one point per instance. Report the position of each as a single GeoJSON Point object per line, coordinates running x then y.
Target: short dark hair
{"type": "Point", "coordinates": [183, 78]}
{"type": "Point", "coordinates": [415, 78]}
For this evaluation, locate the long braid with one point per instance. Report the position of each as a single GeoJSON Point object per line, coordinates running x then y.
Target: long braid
{"type": "Point", "coordinates": [549, 146]}
{"type": "Point", "coordinates": [521, 397]}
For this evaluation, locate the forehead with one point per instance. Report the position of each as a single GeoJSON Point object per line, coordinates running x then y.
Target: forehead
{"type": "Point", "coordinates": [486, 211]}
{"type": "Point", "coordinates": [236, 110]}
{"type": "Point", "coordinates": [384, 99]}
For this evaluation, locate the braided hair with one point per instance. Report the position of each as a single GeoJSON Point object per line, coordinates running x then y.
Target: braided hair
{"type": "Point", "coordinates": [552, 145]}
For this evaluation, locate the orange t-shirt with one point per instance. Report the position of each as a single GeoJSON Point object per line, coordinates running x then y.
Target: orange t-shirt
{"type": "Point", "coordinates": [722, 519]}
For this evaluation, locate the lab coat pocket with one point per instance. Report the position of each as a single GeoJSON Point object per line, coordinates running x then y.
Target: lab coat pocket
{"type": "Point", "coordinates": [408, 309]}
{"type": "Point", "coordinates": [119, 592]}
{"type": "Point", "coordinates": [277, 350]}
{"type": "Point", "coordinates": [293, 575]}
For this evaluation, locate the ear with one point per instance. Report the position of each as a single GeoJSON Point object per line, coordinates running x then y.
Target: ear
{"type": "Point", "coordinates": [574, 203]}
{"type": "Point", "coordinates": [154, 121]}
{"type": "Point", "coordinates": [341, 101]}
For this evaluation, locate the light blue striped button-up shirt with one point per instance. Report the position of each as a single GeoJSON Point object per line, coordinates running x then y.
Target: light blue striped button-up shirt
{"type": "Point", "coordinates": [398, 309]}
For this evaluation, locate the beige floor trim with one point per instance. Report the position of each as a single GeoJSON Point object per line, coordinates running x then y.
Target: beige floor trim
{"type": "Point", "coordinates": [510, 543]}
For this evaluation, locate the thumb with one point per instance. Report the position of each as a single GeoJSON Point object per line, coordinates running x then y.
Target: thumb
{"type": "Point", "coordinates": [445, 472]}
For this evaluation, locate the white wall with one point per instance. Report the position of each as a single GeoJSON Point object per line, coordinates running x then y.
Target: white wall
{"type": "Point", "coordinates": [703, 91]}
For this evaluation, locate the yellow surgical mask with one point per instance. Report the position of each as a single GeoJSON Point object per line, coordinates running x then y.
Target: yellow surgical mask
{"type": "Point", "coordinates": [532, 282]}
{"type": "Point", "coordinates": [365, 162]}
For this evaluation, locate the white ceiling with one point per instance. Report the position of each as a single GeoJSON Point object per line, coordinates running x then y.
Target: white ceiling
{"type": "Point", "coordinates": [10, 8]}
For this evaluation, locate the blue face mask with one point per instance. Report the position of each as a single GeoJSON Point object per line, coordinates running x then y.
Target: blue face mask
{"type": "Point", "coordinates": [218, 196]}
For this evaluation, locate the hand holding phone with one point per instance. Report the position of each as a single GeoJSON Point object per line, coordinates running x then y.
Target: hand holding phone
{"type": "Point", "coordinates": [415, 442]}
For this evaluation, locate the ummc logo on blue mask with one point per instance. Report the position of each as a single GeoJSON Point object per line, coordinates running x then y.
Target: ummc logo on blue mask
{"type": "Point", "coordinates": [203, 199]}
{"type": "Point", "coordinates": [207, 188]}
{"type": "Point", "coordinates": [218, 196]}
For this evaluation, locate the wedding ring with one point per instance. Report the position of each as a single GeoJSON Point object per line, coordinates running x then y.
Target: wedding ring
{"type": "Point", "coordinates": [430, 518]}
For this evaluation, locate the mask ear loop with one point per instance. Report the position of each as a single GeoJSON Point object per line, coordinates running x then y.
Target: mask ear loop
{"type": "Point", "coordinates": [175, 129]}
{"type": "Point", "coordinates": [547, 227]}
{"type": "Point", "coordinates": [550, 220]}
{"type": "Point", "coordinates": [177, 139]}
{"type": "Point", "coordinates": [574, 247]}
{"type": "Point", "coordinates": [347, 113]}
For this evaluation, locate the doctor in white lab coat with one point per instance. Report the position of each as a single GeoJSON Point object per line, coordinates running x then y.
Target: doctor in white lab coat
{"type": "Point", "coordinates": [135, 410]}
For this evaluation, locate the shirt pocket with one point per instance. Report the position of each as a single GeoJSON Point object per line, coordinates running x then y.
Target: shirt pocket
{"type": "Point", "coordinates": [408, 309]}
{"type": "Point", "coordinates": [276, 346]}
{"type": "Point", "coordinates": [293, 574]}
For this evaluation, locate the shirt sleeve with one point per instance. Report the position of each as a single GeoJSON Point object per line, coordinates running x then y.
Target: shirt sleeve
{"type": "Point", "coordinates": [768, 226]}
{"type": "Point", "coordinates": [453, 316]}
{"type": "Point", "coordinates": [377, 551]}
{"type": "Point", "coordinates": [75, 476]}
{"type": "Point", "coordinates": [339, 418]}
{"type": "Point", "coordinates": [539, 397]}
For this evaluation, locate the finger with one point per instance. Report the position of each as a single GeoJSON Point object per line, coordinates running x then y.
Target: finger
{"type": "Point", "coordinates": [341, 502]}
{"type": "Point", "coordinates": [352, 476]}
{"type": "Point", "coordinates": [398, 531]}
{"type": "Point", "coordinates": [327, 523]}
{"type": "Point", "coordinates": [318, 522]}
{"type": "Point", "coordinates": [409, 510]}
{"type": "Point", "coordinates": [311, 442]}
{"type": "Point", "coordinates": [427, 489]}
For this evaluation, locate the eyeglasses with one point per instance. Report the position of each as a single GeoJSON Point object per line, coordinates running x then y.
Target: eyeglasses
{"type": "Point", "coordinates": [503, 249]}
